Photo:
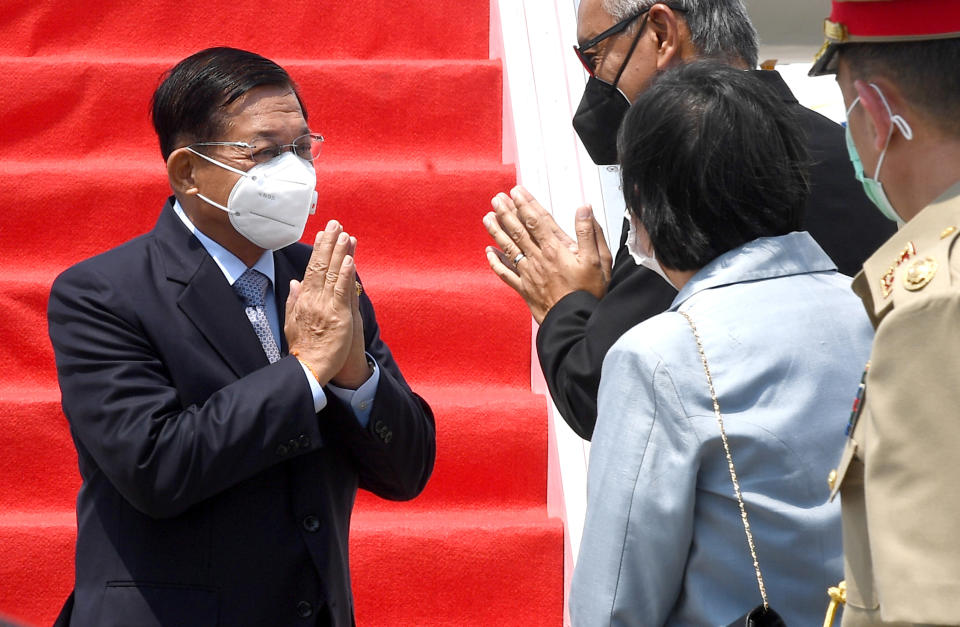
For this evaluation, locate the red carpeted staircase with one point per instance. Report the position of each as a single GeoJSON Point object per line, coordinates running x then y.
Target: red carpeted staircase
{"type": "Point", "coordinates": [410, 105]}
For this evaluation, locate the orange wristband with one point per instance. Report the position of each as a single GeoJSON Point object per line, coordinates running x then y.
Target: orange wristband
{"type": "Point", "coordinates": [296, 354]}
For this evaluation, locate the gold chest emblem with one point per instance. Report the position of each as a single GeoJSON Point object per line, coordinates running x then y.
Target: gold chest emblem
{"type": "Point", "coordinates": [886, 281]}
{"type": "Point", "coordinates": [919, 274]}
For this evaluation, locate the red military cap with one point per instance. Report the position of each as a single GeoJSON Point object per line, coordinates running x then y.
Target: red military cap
{"type": "Point", "coordinates": [878, 21]}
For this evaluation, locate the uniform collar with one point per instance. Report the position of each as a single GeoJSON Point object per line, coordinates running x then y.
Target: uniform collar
{"type": "Point", "coordinates": [762, 258]}
{"type": "Point", "coordinates": [916, 239]}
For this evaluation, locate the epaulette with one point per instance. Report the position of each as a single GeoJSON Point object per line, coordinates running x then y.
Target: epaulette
{"type": "Point", "coordinates": [914, 263]}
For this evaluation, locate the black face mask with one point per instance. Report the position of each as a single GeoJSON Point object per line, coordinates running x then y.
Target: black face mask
{"type": "Point", "coordinates": [601, 111]}
{"type": "Point", "coordinates": [598, 119]}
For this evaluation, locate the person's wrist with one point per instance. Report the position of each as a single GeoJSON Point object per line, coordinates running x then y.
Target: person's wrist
{"type": "Point", "coordinates": [317, 372]}
{"type": "Point", "coordinates": [352, 378]}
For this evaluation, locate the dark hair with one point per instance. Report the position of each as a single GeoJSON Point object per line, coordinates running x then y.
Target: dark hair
{"type": "Point", "coordinates": [710, 160]}
{"type": "Point", "coordinates": [925, 71]}
{"type": "Point", "coordinates": [188, 104]}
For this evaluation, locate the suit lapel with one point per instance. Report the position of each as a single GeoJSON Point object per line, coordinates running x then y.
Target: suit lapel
{"type": "Point", "coordinates": [211, 304]}
{"type": "Point", "coordinates": [207, 298]}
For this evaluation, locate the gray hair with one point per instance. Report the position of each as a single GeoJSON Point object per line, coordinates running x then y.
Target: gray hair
{"type": "Point", "coordinates": [719, 29]}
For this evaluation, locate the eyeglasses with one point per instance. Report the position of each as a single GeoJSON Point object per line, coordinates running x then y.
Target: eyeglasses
{"type": "Point", "coordinates": [587, 58]}
{"type": "Point", "coordinates": [307, 147]}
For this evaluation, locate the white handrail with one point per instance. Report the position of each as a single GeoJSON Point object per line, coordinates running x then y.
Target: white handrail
{"type": "Point", "coordinates": [542, 86]}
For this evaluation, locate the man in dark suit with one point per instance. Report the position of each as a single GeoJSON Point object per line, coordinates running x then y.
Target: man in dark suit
{"type": "Point", "coordinates": [583, 305]}
{"type": "Point", "coordinates": [220, 456]}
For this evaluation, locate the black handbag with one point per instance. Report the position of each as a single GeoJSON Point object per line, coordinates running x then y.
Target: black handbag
{"type": "Point", "coordinates": [763, 615]}
{"type": "Point", "coordinates": [759, 617]}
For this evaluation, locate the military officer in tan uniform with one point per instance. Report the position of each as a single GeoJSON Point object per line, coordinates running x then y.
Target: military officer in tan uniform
{"type": "Point", "coordinates": [898, 65]}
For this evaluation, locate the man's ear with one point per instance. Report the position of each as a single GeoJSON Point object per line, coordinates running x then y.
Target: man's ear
{"type": "Point", "coordinates": [664, 23]}
{"type": "Point", "coordinates": [878, 114]}
{"type": "Point", "coordinates": [181, 171]}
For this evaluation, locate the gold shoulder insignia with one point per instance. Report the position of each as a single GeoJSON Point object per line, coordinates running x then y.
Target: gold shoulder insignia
{"type": "Point", "coordinates": [947, 232]}
{"type": "Point", "coordinates": [919, 274]}
{"type": "Point", "coordinates": [886, 281]}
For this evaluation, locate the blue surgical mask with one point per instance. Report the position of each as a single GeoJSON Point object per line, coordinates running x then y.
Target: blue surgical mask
{"type": "Point", "coordinates": [872, 187]}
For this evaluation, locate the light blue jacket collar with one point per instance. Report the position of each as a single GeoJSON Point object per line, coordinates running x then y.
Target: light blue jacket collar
{"type": "Point", "coordinates": [762, 258]}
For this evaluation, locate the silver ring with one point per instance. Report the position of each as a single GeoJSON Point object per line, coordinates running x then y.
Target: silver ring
{"type": "Point", "coordinates": [518, 258]}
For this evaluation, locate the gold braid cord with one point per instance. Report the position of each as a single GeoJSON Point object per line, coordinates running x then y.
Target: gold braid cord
{"type": "Point", "coordinates": [733, 471]}
{"type": "Point", "coordinates": [838, 597]}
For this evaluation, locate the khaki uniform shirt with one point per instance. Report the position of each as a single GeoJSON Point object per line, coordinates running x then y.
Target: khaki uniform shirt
{"type": "Point", "coordinates": [899, 475]}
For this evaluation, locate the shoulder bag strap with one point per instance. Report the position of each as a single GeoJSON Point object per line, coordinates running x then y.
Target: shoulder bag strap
{"type": "Point", "coordinates": [733, 472]}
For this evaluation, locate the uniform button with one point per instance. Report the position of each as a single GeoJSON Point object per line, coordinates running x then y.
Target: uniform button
{"type": "Point", "coordinates": [832, 479]}
{"type": "Point", "coordinates": [282, 450]}
{"type": "Point", "coordinates": [304, 442]}
{"type": "Point", "coordinates": [304, 609]}
{"type": "Point", "coordinates": [311, 523]}
{"type": "Point", "coordinates": [363, 405]}
{"type": "Point", "coordinates": [293, 445]}
{"type": "Point", "coordinates": [379, 427]}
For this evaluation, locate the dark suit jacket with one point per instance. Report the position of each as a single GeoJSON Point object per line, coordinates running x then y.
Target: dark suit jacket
{"type": "Point", "coordinates": [212, 493]}
{"type": "Point", "coordinates": [579, 330]}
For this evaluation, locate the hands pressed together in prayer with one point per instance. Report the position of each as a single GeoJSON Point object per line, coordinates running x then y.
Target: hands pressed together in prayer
{"type": "Point", "coordinates": [323, 326]}
{"type": "Point", "coordinates": [538, 259]}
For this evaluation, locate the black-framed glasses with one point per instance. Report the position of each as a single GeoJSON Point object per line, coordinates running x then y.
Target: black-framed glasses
{"type": "Point", "coordinates": [261, 150]}
{"type": "Point", "coordinates": [587, 59]}
{"type": "Point", "coordinates": [619, 27]}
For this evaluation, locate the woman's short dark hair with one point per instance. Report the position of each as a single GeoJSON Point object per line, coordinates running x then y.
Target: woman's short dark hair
{"type": "Point", "coordinates": [710, 160]}
{"type": "Point", "coordinates": [188, 104]}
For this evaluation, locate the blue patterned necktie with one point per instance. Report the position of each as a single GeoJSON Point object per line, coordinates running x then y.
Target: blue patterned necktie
{"type": "Point", "coordinates": [252, 288]}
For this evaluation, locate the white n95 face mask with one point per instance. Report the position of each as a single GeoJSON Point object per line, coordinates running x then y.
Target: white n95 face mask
{"type": "Point", "coordinates": [271, 201]}
{"type": "Point", "coordinates": [642, 255]}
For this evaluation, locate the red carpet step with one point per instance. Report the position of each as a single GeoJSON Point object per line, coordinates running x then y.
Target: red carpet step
{"type": "Point", "coordinates": [35, 573]}
{"type": "Point", "coordinates": [477, 463]}
{"type": "Point", "coordinates": [424, 315]}
{"type": "Point", "coordinates": [458, 568]}
{"type": "Point", "coordinates": [375, 110]}
{"type": "Point", "coordinates": [438, 569]}
{"type": "Point", "coordinates": [364, 29]}
{"type": "Point", "coordinates": [400, 211]}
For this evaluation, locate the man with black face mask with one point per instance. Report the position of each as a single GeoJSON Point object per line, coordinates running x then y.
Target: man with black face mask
{"type": "Point", "coordinates": [584, 303]}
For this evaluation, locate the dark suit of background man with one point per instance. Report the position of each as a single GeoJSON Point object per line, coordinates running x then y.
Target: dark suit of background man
{"type": "Point", "coordinates": [220, 456]}
{"type": "Point", "coordinates": [582, 305]}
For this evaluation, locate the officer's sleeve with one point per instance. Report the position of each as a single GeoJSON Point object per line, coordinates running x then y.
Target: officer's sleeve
{"type": "Point", "coordinates": [912, 465]}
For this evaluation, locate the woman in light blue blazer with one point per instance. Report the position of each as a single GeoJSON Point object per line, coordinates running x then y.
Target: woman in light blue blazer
{"type": "Point", "coordinates": [713, 176]}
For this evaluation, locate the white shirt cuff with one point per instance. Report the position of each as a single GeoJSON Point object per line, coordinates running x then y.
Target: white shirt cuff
{"type": "Point", "coordinates": [319, 398]}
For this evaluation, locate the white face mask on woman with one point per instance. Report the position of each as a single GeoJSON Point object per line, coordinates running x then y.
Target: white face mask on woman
{"type": "Point", "coordinates": [271, 201]}
{"type": "Point", "coordinates": [640, 249]}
